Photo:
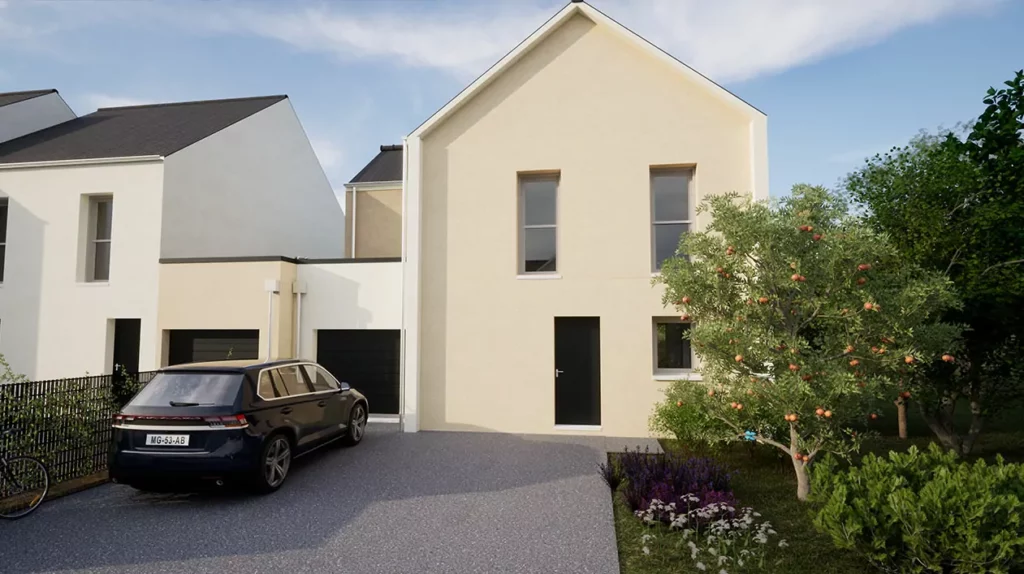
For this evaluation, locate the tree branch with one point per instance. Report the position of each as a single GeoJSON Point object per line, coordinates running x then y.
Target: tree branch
{"type": "Point", "coordinates": [953, 260]}
{"type": "Point", "coordinates": [991, 267]}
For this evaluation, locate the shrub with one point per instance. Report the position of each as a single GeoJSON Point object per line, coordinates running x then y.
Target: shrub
{"type": "Point", "coordinates": [925, 512]}
{"type": "Point", "coordinates": [670, 477]}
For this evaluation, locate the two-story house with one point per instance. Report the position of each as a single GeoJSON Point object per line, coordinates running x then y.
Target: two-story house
{"type": "Point", "coordinates": [92, 205]}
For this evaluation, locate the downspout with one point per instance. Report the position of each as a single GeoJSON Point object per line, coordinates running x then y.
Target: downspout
{"type": "Point", "coordinates": [270, 322]}
{"type": "Point", "coordinates": [298, 326]}
{"type": "Point", "coordinates": [354, 196]}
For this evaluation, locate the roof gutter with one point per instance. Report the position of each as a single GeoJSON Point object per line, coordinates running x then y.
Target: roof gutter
{"type": "Point", "coordinates": [79, 162]}
{"type": "Point", "coordinates": [374, 185]}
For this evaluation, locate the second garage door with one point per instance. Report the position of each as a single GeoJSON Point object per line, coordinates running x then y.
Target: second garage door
{"type": "Point", "coordinates": [194, 346]}
{"type": "Point", "coordinates": [367, 359]}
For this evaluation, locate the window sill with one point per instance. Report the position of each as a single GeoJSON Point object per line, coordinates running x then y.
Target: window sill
{"type": "Point", "coordinates": [94, 283]}
{"type": "Point", "coordinates": [537, 276]}
{"type": "Point", "coordinates": [594, 428]}
{"type": "Point", "coordinates": [677, 376]}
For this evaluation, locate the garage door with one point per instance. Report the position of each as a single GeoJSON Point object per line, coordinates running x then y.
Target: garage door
{"type": "Point", "coordinates": [194, 346]}
{"type": "Point", "coordinates": [367, 359]}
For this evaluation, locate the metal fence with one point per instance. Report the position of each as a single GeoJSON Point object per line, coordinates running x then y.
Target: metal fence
{"type": "Point", "coordinates": [65, 422]}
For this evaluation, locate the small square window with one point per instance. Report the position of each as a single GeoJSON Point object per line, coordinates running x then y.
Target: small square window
{"type": "Point", "coordinates": [672, 351]}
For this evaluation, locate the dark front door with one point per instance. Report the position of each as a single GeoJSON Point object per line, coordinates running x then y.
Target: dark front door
{"type": "Point", "coordinates": [126, 345]}
{"type": "Point", "coordinates": [577, 371]}
{"type": "Point", "coordinates": [367, 359]}
{"type": "Point", "coordinates": [196, 346]}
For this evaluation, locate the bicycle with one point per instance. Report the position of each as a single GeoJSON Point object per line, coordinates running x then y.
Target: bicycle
{"type": "Point", "coordinates": [24, 482]}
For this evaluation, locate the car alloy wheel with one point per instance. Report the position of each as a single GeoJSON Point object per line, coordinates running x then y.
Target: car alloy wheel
{"type": "Point", "coordinates": [358, 423]}
{"type": "Point", "coordinates": [277, 462]}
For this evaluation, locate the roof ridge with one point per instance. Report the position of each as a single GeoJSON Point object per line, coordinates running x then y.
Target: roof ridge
{"type": "Point", "coordinates": [168, 104]}
{"type": "Point", "coordinates": [23, 92]}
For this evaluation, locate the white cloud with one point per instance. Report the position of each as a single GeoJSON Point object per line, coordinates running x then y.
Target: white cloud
{"type": "Point", "coordinates": [729, 40]}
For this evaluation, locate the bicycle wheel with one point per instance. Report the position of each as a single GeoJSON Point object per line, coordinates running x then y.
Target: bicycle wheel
{"type": "Point", "coordinates": [24, 482]}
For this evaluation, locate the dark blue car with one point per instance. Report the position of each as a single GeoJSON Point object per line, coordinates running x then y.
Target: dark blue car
{"type": "Point", "coordinates": [232, 421]}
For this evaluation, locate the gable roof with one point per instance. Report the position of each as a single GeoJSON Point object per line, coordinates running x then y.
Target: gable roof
{"type": "Point", "coordinates": [132, 131]}
{"type": "Point", "coordinates": [578, 7]}
{"type": "Point", "coordinates": [385, 166]}
{"type": "Point", "coordinates": [8, 98]}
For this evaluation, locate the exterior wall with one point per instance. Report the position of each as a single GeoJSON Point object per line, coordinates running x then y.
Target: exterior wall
{"type": "Point", "coordinates": [32, 115]}
{"type": "Point", "coordinates": [378, 222]}
{"type": "Point", "coordinates": [228, 296]}
{"type": "Point", "coordinates": [349, 296]}
{"type": "Point", "coordinates": [602, 112]}
{"type": "Point", "coordinates": [51, 324]}
{"type": "Point", "coordinates": [252, 189]}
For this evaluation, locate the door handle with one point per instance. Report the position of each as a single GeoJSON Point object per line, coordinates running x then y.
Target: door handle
{"type": "Point", "coordinates": [286, 410]}
{"type": "Point", "coordinates": [558, 372]}
{"type": "Point", "coordinates": [322, 403]}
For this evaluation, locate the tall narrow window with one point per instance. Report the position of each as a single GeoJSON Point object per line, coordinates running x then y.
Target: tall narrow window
{"type": "Point", "coordinates": [101, 218]}
{"type": "Point", "coordinates": [538, 198]}
{"type": "Point", "coordinates": [3, 236]}
{"type": "Point", "coordinates": [671, 211]}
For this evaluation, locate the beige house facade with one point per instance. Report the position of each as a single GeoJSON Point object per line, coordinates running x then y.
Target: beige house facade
{"type": "Point", "coordinates": [539, 203]}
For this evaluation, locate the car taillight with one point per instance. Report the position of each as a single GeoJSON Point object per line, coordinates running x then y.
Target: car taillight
{"type": "Point", "coordinates": [229, 421]}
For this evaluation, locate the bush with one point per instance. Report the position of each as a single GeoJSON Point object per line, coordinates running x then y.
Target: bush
{"type": "Point", "coordinates": [671, 477]}
{"type": "Point", "coordinates": [925, 512]}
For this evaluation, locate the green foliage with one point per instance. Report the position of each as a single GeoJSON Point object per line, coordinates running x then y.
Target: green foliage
{"type": "Point", "coordinates": [50, 424]}
{"type": "Point", "coordinates": [956, 206]}
{"type": "Point", "coordinates": [798, 309]}
{"type": "Point", "coordinates": [925, 512]}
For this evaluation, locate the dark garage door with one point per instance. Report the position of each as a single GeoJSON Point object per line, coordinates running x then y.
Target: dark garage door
{"type": "Point", "coordinates": [193, 346]}
{"type": "Point", "coordinates": [367, 359]}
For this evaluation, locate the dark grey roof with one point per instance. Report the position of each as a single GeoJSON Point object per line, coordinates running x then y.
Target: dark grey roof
{"type": "Point", "coordinates": [386, 166]}
{"type": "Point", "coordinates": [158, 129]}
{"type": "Point", "coordinates": [9, 98]}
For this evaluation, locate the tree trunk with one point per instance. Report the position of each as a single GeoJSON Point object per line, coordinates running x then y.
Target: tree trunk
{"type": "Point", "coordinates": [977, 421]}
{"type": "Point", "coordinates": [901, 416]}
{"type": "Point", "coordinates": [803, 481]}
{"type": "Point", "coordinates": [941, 423]}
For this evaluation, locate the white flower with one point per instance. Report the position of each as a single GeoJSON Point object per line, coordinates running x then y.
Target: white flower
{"type": "Point", "coordinates": [700, 566]}
{"type": "Point", "coordinates": [647, 551]}
{"type": "Point", "coordinates": [783, 543]}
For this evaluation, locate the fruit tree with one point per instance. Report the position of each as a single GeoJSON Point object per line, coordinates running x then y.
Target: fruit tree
{"type": "Point", "coordinates": [803, 318]}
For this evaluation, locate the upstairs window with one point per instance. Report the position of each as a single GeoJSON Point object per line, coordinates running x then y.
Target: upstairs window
{"type": "Point", "coordinates": [672, 211]}
{"type": "Point", "coordinates": [538, 243]}
{"type": "Point", "coordinates": [3, 236]}
{"type": "Point", "coordinates": [101, 219]}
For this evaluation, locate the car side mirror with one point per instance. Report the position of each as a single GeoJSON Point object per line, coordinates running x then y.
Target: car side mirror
{"type": "Point", "coordinates": [345, 387]}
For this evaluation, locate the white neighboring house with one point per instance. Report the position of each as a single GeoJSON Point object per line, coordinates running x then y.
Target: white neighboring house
{"type": "Point", "coordinates": [92, 204]}
{"type": "Point", "coordinates": [26, 112]}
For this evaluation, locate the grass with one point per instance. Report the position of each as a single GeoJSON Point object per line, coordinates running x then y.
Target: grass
{"type": "Point", "coordinates": [766, 482]}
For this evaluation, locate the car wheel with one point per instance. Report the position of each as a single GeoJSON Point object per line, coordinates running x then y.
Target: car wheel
{"type": "Point", "coordinates": [275, 462]}
{"type": "Point", "coordinates": [356, 425]}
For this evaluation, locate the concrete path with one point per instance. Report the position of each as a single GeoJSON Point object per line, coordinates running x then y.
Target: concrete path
{"type": "Point", "coordinates": [425, 502]}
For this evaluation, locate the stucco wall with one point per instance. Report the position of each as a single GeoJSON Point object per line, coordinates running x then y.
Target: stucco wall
{"type": "Point", "coordinates": [32, 115]}
{"type": "Point", "coordinates": [601, 112]}
{"type": "Point", "coordinates": [378, 223]}
{"type": "Point", "coordinates": [52, 324]}
{"type": "Point", "coordinates": [252, 189]}
{"type": "Point", "coordinates": [349, 296]}
{"type": "Point", "coordinates": [229, 296]}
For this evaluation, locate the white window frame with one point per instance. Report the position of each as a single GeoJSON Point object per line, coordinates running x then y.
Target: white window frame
{"type": "Point", "coordinates": [93, 241]}
{"type": "Point", "coordinates": [658, 170]}
{"type": "Point", "coordinates": [521, 208]}
{"type": "Point", "coordinates": [669, 374]}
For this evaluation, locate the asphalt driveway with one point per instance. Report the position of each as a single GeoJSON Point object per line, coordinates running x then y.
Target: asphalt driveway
{"type": "Point", "coordinates": [425, 502]}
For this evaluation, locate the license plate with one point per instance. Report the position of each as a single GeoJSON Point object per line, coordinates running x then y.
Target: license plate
{"type": "Point", "coordinates": [167, 440]}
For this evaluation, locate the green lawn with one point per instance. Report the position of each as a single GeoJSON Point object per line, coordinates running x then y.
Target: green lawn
{"type": "Point", "coordinates": [765, 481]}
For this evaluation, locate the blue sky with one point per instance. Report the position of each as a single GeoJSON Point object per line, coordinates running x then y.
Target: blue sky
{"type": "Point", "coordinates": [839, 80]}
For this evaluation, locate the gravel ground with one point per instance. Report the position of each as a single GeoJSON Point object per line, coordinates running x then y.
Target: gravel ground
{"type": "Point", "coordinates": [424, 502]}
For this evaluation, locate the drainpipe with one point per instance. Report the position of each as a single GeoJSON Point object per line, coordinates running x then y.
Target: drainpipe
{"type": "Point", "coordinates": [299, 287]}
{"type": "Point", "coordinates": [271, 286]}
{"type": "Point", "coordinates": [401, 333]}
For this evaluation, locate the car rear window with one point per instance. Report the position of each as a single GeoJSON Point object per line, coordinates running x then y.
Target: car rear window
{"type": "Point", "coordinates": [189, 389]}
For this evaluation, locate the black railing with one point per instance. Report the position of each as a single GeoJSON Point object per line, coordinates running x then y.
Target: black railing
{"type": "Point", "coordinates": [65, 422]}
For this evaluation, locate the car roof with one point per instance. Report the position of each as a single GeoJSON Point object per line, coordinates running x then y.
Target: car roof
{"type": "Point", "coordinates": [238, 365]}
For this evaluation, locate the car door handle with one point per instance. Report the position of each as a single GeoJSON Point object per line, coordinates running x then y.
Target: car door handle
{"type": "Point", "coordinates": [322, 403]}
{"type": "Point", "coordinates": [286, 410]}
